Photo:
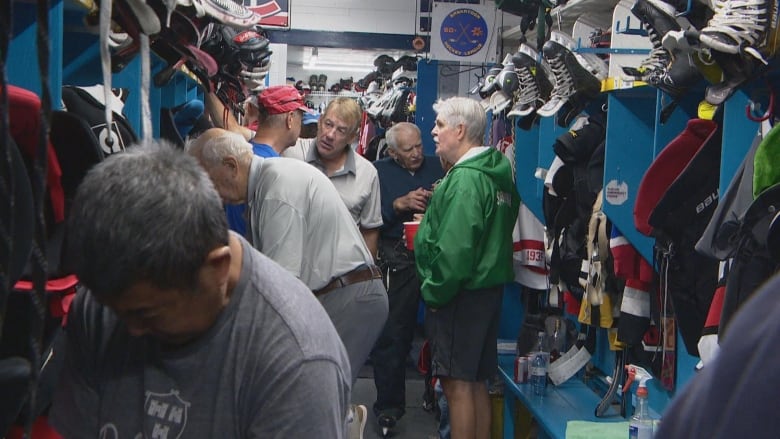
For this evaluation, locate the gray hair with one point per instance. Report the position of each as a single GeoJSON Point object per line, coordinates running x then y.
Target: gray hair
{"type": "Point", "coordinates": [211, 149]}
{"type": "Point", "coordinates": [459, 110]}
{"type": "Point", "coordinates": [149, 214]}
{"type": "Point", "coordinates": [391, 135]}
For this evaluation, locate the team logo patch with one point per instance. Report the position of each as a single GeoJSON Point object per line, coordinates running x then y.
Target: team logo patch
{"type": "Point", "coordinates": [166, 415]}
{"type": "Point", "coordinates": [111, 141]}
{"type": "Point", "coordinates": [464, 32]}
{"type": "Point", "coordinates": [503, 198]}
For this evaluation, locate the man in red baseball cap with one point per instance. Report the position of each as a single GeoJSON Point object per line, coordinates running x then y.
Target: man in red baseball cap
{"type": "Point", "coordinates": [272, 101]}
{"type": "Point", "coordinates": [279, 112]}
{"type": "Point", "coordinates": [282, 98]}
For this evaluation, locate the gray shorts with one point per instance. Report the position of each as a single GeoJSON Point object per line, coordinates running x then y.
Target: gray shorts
{"type": "Point", "coordinates": [463, 335]}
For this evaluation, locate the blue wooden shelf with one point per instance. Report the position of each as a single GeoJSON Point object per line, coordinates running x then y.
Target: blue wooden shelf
{"type": "Point", "coordinates": [570, 401]}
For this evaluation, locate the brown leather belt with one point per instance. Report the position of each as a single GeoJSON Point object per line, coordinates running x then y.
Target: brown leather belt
{"type": "Point", "coordinates": [360, 274]}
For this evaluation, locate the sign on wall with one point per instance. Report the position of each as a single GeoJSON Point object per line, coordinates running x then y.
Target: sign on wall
{"type": "Point", "coordinates": [275, 13]}
{"type": "Point", "coordinates": [463, 33]}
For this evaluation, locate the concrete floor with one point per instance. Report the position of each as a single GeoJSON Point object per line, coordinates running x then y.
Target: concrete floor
{"type": "Point", "coordinates": [415, 424]}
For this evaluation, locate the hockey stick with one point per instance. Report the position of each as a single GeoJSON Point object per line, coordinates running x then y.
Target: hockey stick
{"type": "Point", "coordinates": [463, 32]}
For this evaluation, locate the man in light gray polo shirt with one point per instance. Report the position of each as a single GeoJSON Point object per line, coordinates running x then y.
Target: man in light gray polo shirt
{"type": "Point", "coordinates": [354, 177]}
{"type": "Point", "coordinates": [296, 218]}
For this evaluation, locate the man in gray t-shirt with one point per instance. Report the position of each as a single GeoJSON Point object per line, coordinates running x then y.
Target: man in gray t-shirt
{"type": "Point", "coordinates": [186, 330]}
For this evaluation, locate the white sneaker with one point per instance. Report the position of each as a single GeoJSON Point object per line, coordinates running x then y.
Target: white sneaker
{"type": "Point", "coordinates": [357, 422]}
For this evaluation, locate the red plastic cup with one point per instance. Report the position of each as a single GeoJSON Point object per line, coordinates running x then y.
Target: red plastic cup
{"type": "Point", "coordinates": [410, 229]}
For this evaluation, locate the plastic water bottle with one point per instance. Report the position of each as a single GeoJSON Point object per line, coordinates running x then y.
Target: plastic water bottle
{"type": "Point", "coordinates": [539, 363]}
{"type": "Point", "coordinates": [641, 425]}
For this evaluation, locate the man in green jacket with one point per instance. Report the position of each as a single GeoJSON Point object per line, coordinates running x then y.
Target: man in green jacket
{"type": "Point", "coordinates": [463, 250]}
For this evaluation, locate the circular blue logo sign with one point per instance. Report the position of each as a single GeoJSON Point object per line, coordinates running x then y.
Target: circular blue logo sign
{"type": "Point", "coordinates": [463, 32]}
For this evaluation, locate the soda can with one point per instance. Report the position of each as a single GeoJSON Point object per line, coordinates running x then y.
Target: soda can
{"type": "Point", "coordinates": [521, 370]}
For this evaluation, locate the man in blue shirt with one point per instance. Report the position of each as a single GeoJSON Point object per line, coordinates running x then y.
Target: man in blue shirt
{"type": "Point", "coordinates": [309, 128]}
{"type": "Point", "coordinates": [279, 110]}
{"type": "Point", "coordinates": [406, 181]}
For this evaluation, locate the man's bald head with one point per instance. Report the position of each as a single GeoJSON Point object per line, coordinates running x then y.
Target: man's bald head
{"type": "Point", "coordinates": [226, 156]}
{"type": "Point", "coordinates": [216, 144]}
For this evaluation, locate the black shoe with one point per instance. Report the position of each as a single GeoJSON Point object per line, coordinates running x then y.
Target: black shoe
{"type": "Point", "coordinates": [322, 82]}
{"type": "Point", "coordinates": [571, 77]}
{"type": "Point", "coordinates": [385, 64]}
{"type": "Point", "coordinates": [535, 86]}
{"type": "Point", "coordinates": [386, 423]}
{"type": "Point", "coordinates": [657, 15]}
{"type": "Point", "coordinates": [346, 83]}
{"type": "Point", "coordinates": [658, 19]}
{"type": "Point", "coordinates": [681, 75]}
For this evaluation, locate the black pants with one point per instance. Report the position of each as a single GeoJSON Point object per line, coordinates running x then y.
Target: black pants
{"type": "Point", "coordinates": [393, 346]}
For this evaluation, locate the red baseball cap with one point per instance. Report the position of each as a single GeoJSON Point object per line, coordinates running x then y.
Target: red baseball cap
{"type": "Point", "coordinates": [281, 99]}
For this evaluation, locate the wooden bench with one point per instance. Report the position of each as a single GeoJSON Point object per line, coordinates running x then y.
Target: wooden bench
{"type": "Point", "coordinates": [570, 401]}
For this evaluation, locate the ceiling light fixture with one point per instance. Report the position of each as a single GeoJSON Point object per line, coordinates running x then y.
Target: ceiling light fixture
{"type": "Point", "coordinates": [335, 61]}
{"type": "Point", "coordinates": [340, 68]}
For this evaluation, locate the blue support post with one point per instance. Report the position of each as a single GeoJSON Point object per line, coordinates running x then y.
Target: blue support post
{"type": "Point", "coordinates": [509, 416]}
{"type": "Point", "coordinates": [22, 67]}
{"type": "Point", "coordinates": [663, 133]}
{"type": "Point", "coordinates": [84, 68]}
{"type": "Point", "coordinates": [427, 92]}
{"type": "Point", "coordinates": [526, 162]}
{"type": "Point", "coordinates": [512, 311]}
{"type": "Point", "coordinates": [629, 150]}
{"type": "Point", "coordinates": [487, 137]}
{"type": "Point", "coordinates": [181, 89]}
{"type": "Point", "coordinates": [130, 78]}
{"type": "Point", "coordinates": [549, 131]}
{"type": "Point", "coordinates": [738, 132]}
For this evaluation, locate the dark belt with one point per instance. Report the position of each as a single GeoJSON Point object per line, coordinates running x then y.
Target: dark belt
{"type": "Point", "coordinates": [360, 274]}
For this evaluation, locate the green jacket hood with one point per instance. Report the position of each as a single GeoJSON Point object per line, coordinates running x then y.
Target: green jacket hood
{"type": "Point", "coordinates": [494, 164]}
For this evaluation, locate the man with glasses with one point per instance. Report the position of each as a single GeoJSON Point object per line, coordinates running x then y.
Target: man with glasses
{"type": "Point", "coordinates": [354, 177]}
